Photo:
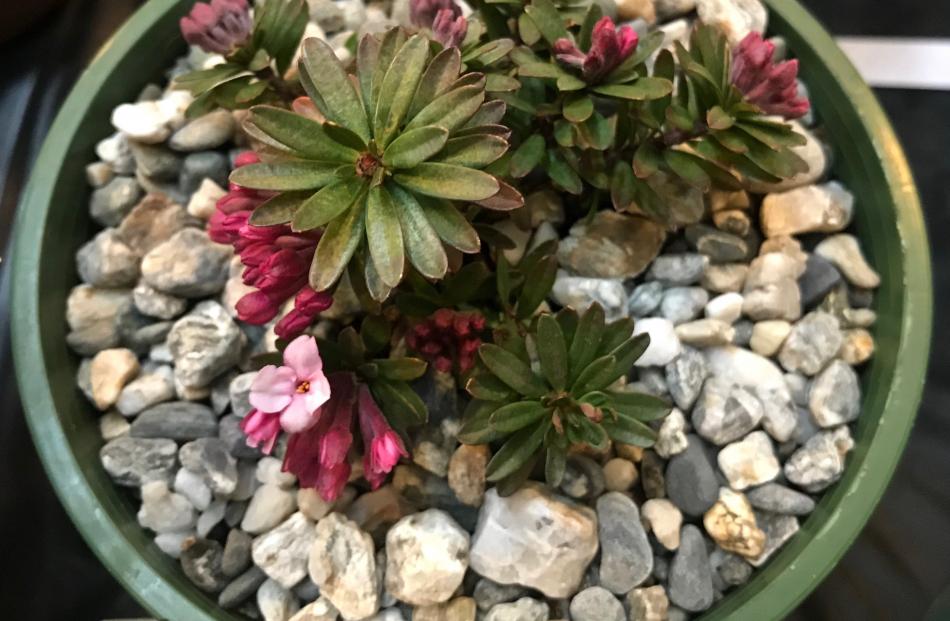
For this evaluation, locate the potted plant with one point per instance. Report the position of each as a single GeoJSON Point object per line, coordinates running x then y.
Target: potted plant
{"type": "Point", "coordinates": [473, 251]}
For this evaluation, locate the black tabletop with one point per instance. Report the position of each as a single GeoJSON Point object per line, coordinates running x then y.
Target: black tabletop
{"type": "Point", "coordinates": [899, 569]}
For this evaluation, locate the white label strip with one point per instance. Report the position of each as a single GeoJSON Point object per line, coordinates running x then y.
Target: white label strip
{"type": "Point", "coordinates": [892, 62]}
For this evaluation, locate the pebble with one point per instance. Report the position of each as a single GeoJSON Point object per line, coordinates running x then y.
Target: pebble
{"type": "Point", "coordinates": [283, 553]}
{"type": "Point", "coordinates": [778, 530]}
{"type": "Point", "coordinates": [187, 265]}
{"type": "Point", "coordinates": [777, 498]}
{"type": "Point", "coordinates": [685, 376]}
{"type": "Point", "coordinates": [467, 473]}
{"type": "Point", "coordinates": [313, 505]}
{"type": "Point", "coordinates": [777, 300]}
{"type": "Point", "coordinates": [110, 203]}
{"type": "Point", "coordinates": [611, 245]}
{"type": "Point", "coordinates": [706, 333]}
{"type": "Point", "coordinates": [535, 539]}
{"type": "Point", "coordinates": [132, 462]}
{"type": "Point", "coordinates": [826, 208]}
{"type": "Point", "coordinates": [620, 475]}
{"type": "Point", "coordinates": [269, 506]}
{"type": "Point", "coordinates": [155, 162]}
{"type": "Point", "coordinates": [203, 201]}
{"type": "Point", "coordinates": [241, 588]}
{"type": "Point", "coordinates": [811, 344]}
{"type": "Point", "coordinates": [230, 432]}
{"type": "Point", "coordinates": [192, 486]}
{"type": "Point", "coordinates": [200, 166]}
{"type": "Point", "coordinates": [145, 391]}
{"type": "Point", "coordinates": [690, 479]}
{"type": "Point", "coordinates": [719, 246]}
{"type": "Point", "coordinates": [115, 152]}
{"type": "Point", "coordinates": [153, 303]}
{"type": "Point", "coordinates": [426, 558]}
{"type": "Point", "coordinates": [743, 367]}
{"type": "Point", "coordinates": [858, 347]}
{"type": "Point", "coordinates": [95, 317]}
{"type": "Point", "coordinates": [628, 10]}
{"type": "Point", "coordinates": [664, 343]}
{"type": "Point", "coordinates": [651, 475]}
{"type": "Point", "coordinates": [678, 270]}
{"type": "Point", "coordinates": [579, 293]}
{"type": "Point", "coordinates": [98, 174]}
{"type": "Point", "coordinates": [247, 483]}
{"type": "Point", "coordinates": [645, 299]}
{"type": "Point", "coordinates": [596, 604]}
{"type": "Point", "coordinates": [209, 458]}
{"type": "Point", "coordinates": [768, 336]}
{"type": "Point", "coordinates": [276, 603]}
{"type": "Point", "coordinates": [149, 121]}
{"type": "Point", "coordinates": [845, 253]}
{"type": "Point", "coordinates": [750, 461]}
{"type": "Point", "coordinates": [171, 543]}
{"type": "Point", "coordinates": [112, 426]}
{"type": "Point", "coordinates": [583, 478]}
{"type": "Point", "coordinates": [820, 462]}
{"type": "Point", "coordinates": [343, 564]}
{"type": "Point", "coordinates": [488, 594]}
{"type": "Point", "coordinates": [209, 131]}
{"type": "Point", "coordinates": [725, 277]}
{"type": "Point", "coordinates": [268, 471]}
{"type": "Point", "coordinates": [726, 307]}
{"type": "Point", "coordinates": [164, 511]}
{"type": "Point", "coordinates": [106, 261]}
{"type": "Point", "coordinates": [814, 154]}
{"type": "Point", "coordinates": [109, 371]}
{"type": "Point", "coordinates": [731, 524]}
{"type": "Point", "coordinates": [177, 420]}
{"type": "Point", "coordinates": [690, 583]}
{"type": "Point", "coordinates": [236, 557]}
{"type": "Point", "coordinates": [648, 604]}
{"type": "Point", "coordinates": [671, 438]}
{"type": "Point", "coordinates": [201, 562]}
{"type": "Point", "coordinates": [682, 304]}
{"type": "Point", "coordinates": [205, 343]}
{"type": "Point", "coordinates": [818, 280]}
{"type": "Point", "coordinates": [732, 569]}
{"type": "Point", "coordinates": [525, 609]}
{"type": "Point", "coordinates": [835, 395]}
{"type": "Point", "coordinates": [626, 559]}
{"type": "Point", "coordinates": [664, 520]}
{"type": "Point", "coordinates": [320, 610]}
{"type": "Point", "coordinates": [458, 609]}
{"type": "Point", "coordinates": [725, 412]}
{"type": "Point", "coordinates": [152, 222]}
{"type": "Point", "coordinates": [780, 420]}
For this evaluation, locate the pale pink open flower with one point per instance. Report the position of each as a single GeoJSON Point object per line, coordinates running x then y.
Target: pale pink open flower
{"type": "Point", "coordinates": [294, 391]}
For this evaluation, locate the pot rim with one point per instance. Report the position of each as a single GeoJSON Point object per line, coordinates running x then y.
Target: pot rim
{"type": "Point", "coordinates": [773, 591]}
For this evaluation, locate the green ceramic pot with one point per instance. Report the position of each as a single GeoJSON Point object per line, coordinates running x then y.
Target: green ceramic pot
{"type": "Point", "coordinates": [53, 222]}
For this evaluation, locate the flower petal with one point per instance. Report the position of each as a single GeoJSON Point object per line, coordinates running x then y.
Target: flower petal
{"type": "Point", "coordinates": [297, 417]}
{"type": "Point", "coordinates": [303, 357]}
{"type": "Point", "coordinates": [273, 389]}
{"type": "Point", "coordinates": [319, 392]}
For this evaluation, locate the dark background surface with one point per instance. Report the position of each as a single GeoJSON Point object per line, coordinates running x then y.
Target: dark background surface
{"type": "Point", "coordinates": [899, 569]}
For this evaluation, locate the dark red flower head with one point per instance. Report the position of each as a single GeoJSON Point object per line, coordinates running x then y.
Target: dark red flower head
{"type": "Point", "coordinates": [769, 85]}
{"type": "Point", "coordinates": [448, 339]}
{"type": "Point", "coordinates": [220, 26]}
{"type": "Point", "coordinates": [422, 13]}
{"type": "Point", "coordinates": [609, 47]}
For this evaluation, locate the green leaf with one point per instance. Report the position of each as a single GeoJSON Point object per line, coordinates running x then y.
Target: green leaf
{"type": "Point", "coordinates": [384, 236]}
{"type": "Point", "coordinates": [335, 94]}
{"type": "Point", "coordinates": [538, 282]}
{"type": "Point", "coordinates": [622, 192]}
{"type": "Point", "coordinates": [204, 80]}
{"type": "Point", "coordinates": [448, 181]}
{"type": "Point", "coordinates": [278, 210]}
{"type": "Point", "coordinates": [376, 332]}
{"type": "Point", "coordinates": [475, 151]}
{"type": "Point", "coordinates": [367, 61]}
{"type": "Point", "coordinates": [527, 156]}
{"type": "Point", "coordinates": [422, 243]}
{"type": "Point", "coordinates": [401, 400]}
{"type": "Point", "coordinates": [344, 136]}
{"type": "Point", "coordinates": [616, 333]}
{"type": "Point", "coordinates": [327, 204]}
{"type": "Point", "coordinates": [629, 431]}
{"type": "Point", "coordinates": [450, 225]}
{"type": "Point", "coordinates": [596, 376]}
{"type": "Point", "coordinates": [547, 19]}
{"type": "Point", "coordinates": [499, 83]}
{"type": "Point", "coordinates": [552, 351]}
{"type": "Point", "coordinates": [282, 176]}
{"type": "Point", "coordinates": [562, 174]}
{"type": "Point", "coordinates": [304, 137]}
{"type": "Point", "coordinates": [489, 113]}
{"type": "Point", "coordinates": [503, 280]}
{"type": "Point", "coordinates": [398, 88]}
{"type": "Point", "coordinates": [251, 92]}
{"type": "Point", "coordinates": [452, 109]}
{"type": "Point", "coordinates": [477, 427]}
{"type": "Point", "coordinates": [717, 118]}
{"type": "Point", "coordinates": [588, 432]}
{"type": "Point", "coordinates": [686, 167]}
{"type": "Point", "coordinates": [514, 416]}
{"type": "Point", "coordinates": [578, 108]}
{"type": "Point", "coordinates": [527, 30]}
{"type": "Point", "coordinates": [593, 15]}
{"type": "Point", "coordinates": [336, 247]}
{"type": "Point", "coordinates": [598, 131]}
{"type": "Point", "coordinates": [281, 34]}
{"type": "Point", "coordinates": [516, 452]}
{"type": "Point", "coordinates": [511, 370]}
{"type": "Point", "coordinates": [539, 69]}
{"type": "Point", "coordinates": [415, 146]}
{"type": "Point", "coordinates": [586, 340]}
{"type": "Point", "coordinates": [639, 406]}
{"type": "Point", "coordinates": [438, 77]}
{"type": "Point", "coordinates": [680, 118]}
{"type": "Point", "coordinates": [402, 369]}
{"type": "Point", "coordinates": [485, 386]}
{"type": "Point", "coordinates": [555, 464]}
{"type": "Point", "coordinates": [391, 43]}
{"type": "Point", "coordinates": [644, 89]}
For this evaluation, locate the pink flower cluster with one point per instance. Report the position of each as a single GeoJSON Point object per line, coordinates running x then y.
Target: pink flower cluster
{"type": "Point", "coordinates": [277, 260]}
{"type": "Point", "coordinates": [771, 86]}
{"type": "Point", "coordinates": [444, 17]}
{"type": "Point", "coordinates": [609, 47]}
{"type": "Point", "coordinates": [220, 26]}
{"type": "Point", "coordinates": [319, 411]}
{"type": "Point", "coordinates": [448, 338]}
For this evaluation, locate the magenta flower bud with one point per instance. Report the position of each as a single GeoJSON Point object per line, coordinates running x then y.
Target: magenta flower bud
{"type": "Point", "coordinates": [382, 445]}
{"type": "Point", "coordinates": [422, 13]}
{"type": "Point", "coordinates": [256, 308]}
{"type": "Point", "coordinates": [220, 26]}
{"type": "Point", "coordinates": [771, 86]}
{"type": "Point", "coordinates": [609, 47]}
{"type": "Point", "coordinates": [449, 29]}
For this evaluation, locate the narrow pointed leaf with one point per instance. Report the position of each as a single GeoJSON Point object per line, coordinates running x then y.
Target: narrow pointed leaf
{"type": "Point", "coordinates": [514, 416]}
{"type": "Point", "coordinates": [538, 283]}
{"type": "Point", "coordinates": [629, 431]}
{"type": "Point", "coordinates": [505, 199]}
{"type": "Point", "coordinates": [639, 406]}
{"type": "Point", "coordinates": [398, 88]}
{"type": "Point", "coordinates": [438, 77]}
{"type": "Point", "coordinates": [547, 19]}
{"type": "Point", "coordinates": [686, 168]}
{"type": "Point", "coordinates": [527, 156]}
{"type": "Point", "coordinates": [489, 113]}
{"type": "Point", "coordinates": [477, 427]}
{"type": "Point", "coordinates": [596, 376]}
{"type": "Point", "coordinates": [473, 151]}
{"type": "Point", "coordinates": [644, 89]}
{"type": "Point", "coordinates": [578, 108]}
{"type": "Point", "coordinates": [279, 209]}
{"type": "Point", "coordinates": [400, 398]}
{"type": "Point", "coordinates": [384, 236]}
{"type": "Point", "coordinates": [336, 247]}
{"type": "Point", "coordinates": [450, 225]}
{"type": "Point", "coordinates": [586, 340]}
{"type": "Point", "coordinates": [402, 369]}
{"type": "Point", "coordinates": [415, 146]}
{"type": "Point", "coordinates": [367, 59]}
{"type": "Point", "coordinates": [281, 176]}
{"type": "Point", "coordinates": [513, 371]}
{"type": "Point", "coordinates": [555, 465]}
{"type": "Point", "coordinates": [331, 82]}
{"type": "Point", "coordinates": [516, 452]}
{"type": "Point", "coordinates": [305, 137]}
{"type": "Point", "coordinates": [552, 351]}
{"type": "Point", "coordinates": [589, 433]}
{"type": "Point", "coordinates": [327, 204]}
{"type": "Point", "coordinates": [448, 181]}
{"type": "Point", "coordinates": [422, 244]}
{"type": "Point", "coordinates": [485, 386]}
{"type": "Point", "coordinates": [452, 109]}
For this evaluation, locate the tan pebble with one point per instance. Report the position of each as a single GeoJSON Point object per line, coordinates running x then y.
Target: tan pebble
{"type": "Point", "coordinates": [858, 346]}
{"type": "Point", "coordinates": [620, 475]}
{"type": "Point", "coordinates": [109, 372]}
{"type": "Point", "coordinates": [467, 473]}
{"type": "Point", "coordinates": [768, 336]}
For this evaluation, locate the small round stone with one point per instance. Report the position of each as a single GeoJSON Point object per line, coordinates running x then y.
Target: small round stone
{"type": "Point", "coordinates": [596, 604]}
{"type": "Point", "coordinates": [620, 475]}
{"type": "Point", "coordinates": [768, 336]}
